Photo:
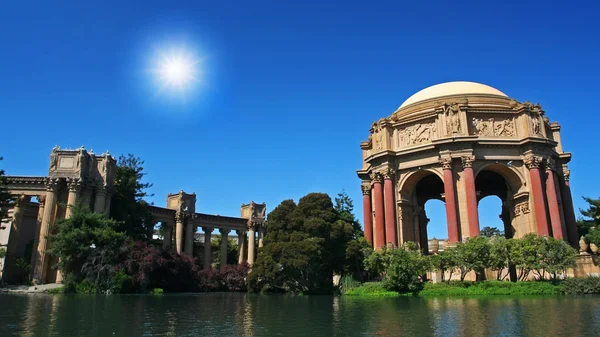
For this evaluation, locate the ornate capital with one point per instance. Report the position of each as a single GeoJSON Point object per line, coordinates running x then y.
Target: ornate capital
{"type": "Point", "coordinates": [52, 184]}
{"type": "Point", "coordinates": [366, 189]}
{"type": "Point", "coordinates": [467, 161]}
{"type": "Point", "coordinates": [446, 163]}
{"type": "Point", "coordinates": [532, 161]}
{"type": "Point", "coordinates": [550, 163]}
{"type": "Point", "coordinates": [207, 229]}
{"type": "Point", "coordinates": [376, 177]}
{"type": "Point", "coordinates": [74, 184]}
{"type": "Point", "coordinates": [224, 231]}
{"type": "Point", "coordinates": [179, 217]}
{"type": "Point", "coordinates": [566, 173]}
{"type": "Point", "coordinates": [41, 199]}
{"type": "Point", "coordinates": [388, 174]}
{"type": "Point", "coordinates": [240, 233]}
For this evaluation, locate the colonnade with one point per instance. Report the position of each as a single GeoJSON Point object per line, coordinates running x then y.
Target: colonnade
{"type": "Point", "coordinates": [550, 195]}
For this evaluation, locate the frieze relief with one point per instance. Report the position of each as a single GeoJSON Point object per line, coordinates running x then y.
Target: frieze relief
{"type": "Point", "coordinates": [522, 208]}
{"type": "Point", "coordinates": [416, 134]}
{"type": "Point", "coordinates": [494, 127]}
{"type": "Point", "coordinates": [379, 145]}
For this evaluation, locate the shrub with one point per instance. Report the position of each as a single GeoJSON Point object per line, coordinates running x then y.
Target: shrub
{"type": "Point", "coordinates": [122, 283]}
{"type": "Point", "coordinates": [348, 283]}
{"type": "Point", "coordinates": [582, 285]}
{"type": "Point", "coordinates": [371, 289]}
{"type": "Point", "coordinates": [157, 291]}
{"type": "Point", "coordinates": [233, 277]}
{"type": "Point", "coordinates": [490, 288]}
{"type": "Point", "coordinates": [401, 269]}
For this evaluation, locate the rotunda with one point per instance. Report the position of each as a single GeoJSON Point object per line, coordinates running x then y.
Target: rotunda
{"type": "Point", "coordinates": [459, 142]}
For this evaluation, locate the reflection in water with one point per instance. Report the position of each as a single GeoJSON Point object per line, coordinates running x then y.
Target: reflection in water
{"type": "Point", "coordinates": [238, 314]}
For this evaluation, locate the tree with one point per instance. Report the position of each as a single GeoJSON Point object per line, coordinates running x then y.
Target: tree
{"type": "Point", "coordinates": [524, 254]}
{"type": "Point", "coordinates": [82, 235]}
{"type": "Point", "coordinates": [473, 255]}
{"type": "Point", "coordinates": [444, 261]}
{"type": "Point", "coordinates": [500, 256]}
{"type": "Point", "coordinates": [489, 232]}
{"type": "Point", "coordinates": [345, 208]}
{"type": "Point", "coordinates": [128, 206]}
{"type": "Point", "coordinates": [6, 199]}
{"type": "Point", "coordinates": [591, 216]}
{"type": "Point", "coordinates": [400, 269]}
{"type": "Point", "coordinates": [555, 256]}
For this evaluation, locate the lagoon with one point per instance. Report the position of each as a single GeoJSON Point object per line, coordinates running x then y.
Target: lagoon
{"type": "Point", "coordinates": [240, 314]}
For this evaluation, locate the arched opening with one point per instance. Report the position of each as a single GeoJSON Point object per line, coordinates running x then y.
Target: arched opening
{"type": "Point", "coordinates": [490, 218]}
{"type": "Point", "coordinates": [489, 183]}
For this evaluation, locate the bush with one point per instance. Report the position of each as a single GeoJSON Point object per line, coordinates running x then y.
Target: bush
{"type": "Point", "coordinates": [157, 291]}
{"type": "Point", "coordinates": [582, 285]}
{"type": "Point", "coordinates": [348, 283]}
{"type": "Point", "coordinates": [401, 269]}
{"type": "Point", "coordinates": [233, 277]}
{"type": "Point", "coordinates": [122, 283]}
{"type": "Point", "coordinates": [371, 289]}
{"type": "Point", "coordinates": [490, 288]}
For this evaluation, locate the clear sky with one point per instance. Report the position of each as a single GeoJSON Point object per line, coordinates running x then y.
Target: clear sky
{"type": "Point", "coordinates": [288, 91]}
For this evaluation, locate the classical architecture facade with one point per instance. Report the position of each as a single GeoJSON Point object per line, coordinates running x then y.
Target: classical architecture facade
{"type": "Point", "coordinates": [83, 177]}
{"type": "Point", "coordinates": [459, 142]}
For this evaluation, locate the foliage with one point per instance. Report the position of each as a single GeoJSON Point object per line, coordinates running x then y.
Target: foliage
{"type": "Point", "coordinates": [472, 255]}
{"type": "Point", "coordinates": [82, 236]}
{"type": "Point", "coordinates": [582, 285]}
{"type": "Point", "coordinates": [593, 236]}
{"type": "Point", "coordinates": [6, 199]}
{"type": "Point", "coordinates": [489, 288]}
{"type": "Point", "coordinates": [401, 269]}
{"type": "Point", "coordinates": [371, 289]}
{"type": "Point", "coordinates": [555, 256]}
{"type": "Point", "coordinates": [499, 258]}
{"type": "Point", "coordinates": [489, 232]}
{"type": "Point", "coordinates": [524, 254]}
{"type": "Point", "coordinates": [233, 277]}
{"type": "Point", "coordinates": [348, 283]}
{"type": "Point", "coordinates": [591, 216]}
{"type": "Point", "coordinates": [157, 291]}
{"type": "Point", "coordinates": [58, 290]}
{"type": "Point", "coordinates": [128, 205]}
{"type": "Point", "coordinates": [306, 243]}
{"type": "Point", "coordinates": [444, 261]}
{"type": "Point", "coordinates": [232, 249]}
{"type": "Point", "coordinates": [345, 208]}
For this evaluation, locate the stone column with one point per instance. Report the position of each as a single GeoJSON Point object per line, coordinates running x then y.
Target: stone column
{"type": "Point", "coordinates": [189, 238]}
{"type": "Point", "coordinates": [367, 213]}
{"type": "Point", "coordinates": [533, 164]}
{"type": "Point", "coordinates": [109, 193]}
{"type": "Point", "coordinates": [224, 239]}
{"type": "Point", "coordinates": [450, 196]}
{"type": "Point", "coordinates": [207, 253]}
{"type": "Point", "coordinates": [241, 246]}
{"type": "Point", "coordinates": [86, 194]}
{"type": "Point", "coordinates": [178, 232]}
{"type": "Point", "coordinates": [261, 236]}
{"type": "Point", "coordinates": [41, 265]}
{"type": "Point", "coordinates": [74, 185]}
{"type": "Point", "coordinates": [167, 228]}
{"type": "Point", "coordinates": [552, 197]}
{"type": "Point", "coordinates": [100, 199]}
{"type": "Point", "coordinates": [569, 212]}
{"type": "Point", "coordinates": [12, 249]}
{"type": "Point", "coordinates": [471, 193]}
{"type": "Point", "coordinates": [251, 244]}
{"type": "Point", "coordinates": [36, 239]}
{"type": "Point", "coordinates": [390, 216]}
{"type": "Point", "coordinates": [379, 215]}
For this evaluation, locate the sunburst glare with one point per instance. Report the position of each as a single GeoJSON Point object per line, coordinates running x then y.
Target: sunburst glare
{"type": "Point", "coordinates": [177, 71]}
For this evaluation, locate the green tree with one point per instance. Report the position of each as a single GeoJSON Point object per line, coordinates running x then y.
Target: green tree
{"type": "Point", "coordinates": [6, 199]}
{"type": "Point", "coordinates": [400, 269]}
{"type": "Point", "coordinates": [489, 232]}
{"type": "Point", "coordinates": [524, 254]}
{"type": "Point", "coordinates": [345, 208]}
{"type": "Point", "coordinates": [473, 255]}
{"type": "Point", "coordinates": [499, 260]}
{"type": "Point", "coordinates": [444, 261]}
{"type": "Point", "coordinates": [555, 256]}
{"type": "Point", "coordinates": [82, 235]}
{"type": "Point", "coordinates": [128, 206]}
{"type": "Point", "coordinates": [591, 216]}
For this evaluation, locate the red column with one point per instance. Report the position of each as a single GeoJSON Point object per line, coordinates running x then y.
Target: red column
{"type": "Point", "coordinates": [471, 193]}
{"type": "Point", "coordinates": [450, 200]}
{"type": "Point", "coordinates": [557, 230]}
{"type": "Point", "coordinates": [368, 213]}
{"type": "Point", "coordinates": [390, 219]}
{"type": "Point", "coordinates": [569, 212]}
{"type": "Point", "coordinates": [379, 221]}
{"type": "Point", "coordinates": [533, 163]}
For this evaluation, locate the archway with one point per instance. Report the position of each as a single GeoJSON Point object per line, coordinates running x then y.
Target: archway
{"type": "Point", "coordinates": [489, 183]}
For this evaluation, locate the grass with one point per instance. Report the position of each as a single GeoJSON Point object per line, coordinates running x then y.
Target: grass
{"type": "Point", "coordinates": [58, 290]}
{"type": "Point", "coordinates": [371, 289]}
{"type": "Point", "coordinates": [490, 288]}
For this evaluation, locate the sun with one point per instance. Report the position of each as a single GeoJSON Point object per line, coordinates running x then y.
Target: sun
{"type": "Point", "coordinates": [177, 70]}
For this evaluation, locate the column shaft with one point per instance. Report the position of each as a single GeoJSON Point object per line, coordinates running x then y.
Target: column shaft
{"type": "Point", "coordinates": [167, 236]}
{"type": "Point", "coordinates": [261, 236]}
{"type": "Point", "coordinates": [379, 215]}
{"type": "Point", "coordinates": [74, 188]}
{"type": "Point", "coordinates": [390, 218]}
{"type": "Point", "coordinates": [189, 238]}
{"type": "Point", "coordinates": [569, 212]}
{"type": "Point", "coordinates": [367, 214]}
{"type": "Point", "coordinates": [207, 252]}
{"type": "Point", "coordinates": [538, 201]}
{"type": "Point", "coordinates": [36, 238]}
{"type": "Point", "coordinates": [224, 239]}
{"type": "Point", "coordinates": [471, 194]}
{"type": "Point", "coordinates": [41, 266]}
{"type": "Point", "coordinates": [251, 244]}
{"type": "Point", "coordinates": [551, 196]}
{"type": "Point", "coordinates": [241, 246]}
{"type": "Point", "coordinates": [178, 233]}
{"type": "Point", "coordinates": [450, 196]}
{"type": "Point", "coordinates": [100, 200]}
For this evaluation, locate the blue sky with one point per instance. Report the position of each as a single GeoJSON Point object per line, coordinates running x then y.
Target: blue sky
{"type": "Point", "coordinates": [289, 91]}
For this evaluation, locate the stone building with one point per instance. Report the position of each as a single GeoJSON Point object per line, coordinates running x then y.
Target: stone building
{"type": "Point", "coordinates": [459, 142]}
{"type": "Point", "coordinates": [81, 176]}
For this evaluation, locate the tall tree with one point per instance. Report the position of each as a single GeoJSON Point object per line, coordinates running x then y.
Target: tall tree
{"type": "Point", "coordinates": [128, 206]}
{"type": "Point", "coordinates": [5, 197]}
{"type": "Point", "coordinates": [345, 208]}
{"type": "Point", "coordinates": [489, 232]}
{"type": "Point", "coordinates": [591, 216]}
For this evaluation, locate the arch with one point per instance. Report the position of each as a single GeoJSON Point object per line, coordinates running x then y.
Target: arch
{"type": "Point", "coordinates": [491, 183]}
{"type": "Point", "coordinates": [408, 182]}
{"type": "Point", "coordinates": [511, 175]}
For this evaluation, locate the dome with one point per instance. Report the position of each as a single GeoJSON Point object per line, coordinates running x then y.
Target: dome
{"type": "Point", "coordinates": [452, 88]}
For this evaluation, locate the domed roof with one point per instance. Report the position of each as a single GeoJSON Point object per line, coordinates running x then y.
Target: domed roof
{"type": "Point", "coordinates": [452, 88]}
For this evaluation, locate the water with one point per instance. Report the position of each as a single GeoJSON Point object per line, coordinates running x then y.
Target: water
{"type": "Point", "coordinates": [237, 314]}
